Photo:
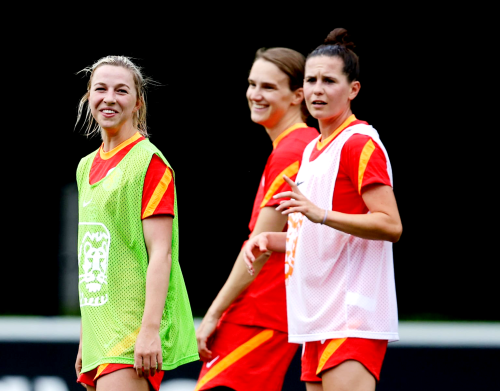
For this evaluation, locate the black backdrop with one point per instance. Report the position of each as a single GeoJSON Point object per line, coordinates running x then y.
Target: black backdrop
{"type": "Point", "coordinates": [418, 90]}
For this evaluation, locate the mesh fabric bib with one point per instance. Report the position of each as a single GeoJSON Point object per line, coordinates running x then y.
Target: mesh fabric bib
{"type": "Point", "coordinates": [338, 285]}
{"type": "Point", "coordinates": [113, 261]}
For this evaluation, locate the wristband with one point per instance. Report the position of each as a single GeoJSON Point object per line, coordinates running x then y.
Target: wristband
{"type": "Point", "coordinates": [324, 218]}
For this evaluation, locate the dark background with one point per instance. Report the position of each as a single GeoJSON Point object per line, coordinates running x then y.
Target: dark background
{"type": "Point", "coordinates": [419, 76]}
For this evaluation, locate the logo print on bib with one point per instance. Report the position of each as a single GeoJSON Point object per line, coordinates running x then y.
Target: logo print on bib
{"type": "Point", "coordinates": [295, 221]}
{"type": "Point", "coordinates": [113, 179]}
{"type": "Point", "coordinates": [93, 257]}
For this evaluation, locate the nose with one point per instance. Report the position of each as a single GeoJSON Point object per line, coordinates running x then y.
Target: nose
{"type": "Point", "coordinates": [254, 94]}
{"type": "Point", "coordinates": [318, 88]}
{"type": "Point", "coordinates": [110, 98]}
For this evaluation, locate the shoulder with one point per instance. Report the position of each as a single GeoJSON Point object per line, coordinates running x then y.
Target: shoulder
{"type": "Point", "coordinates": [304, 135]}
{"type": "Point", "coordinates": [89, 158]}
{"type": "Point", "coordinates": [364, 147]}
{"type": "Point", "coordinates": [296, 141]}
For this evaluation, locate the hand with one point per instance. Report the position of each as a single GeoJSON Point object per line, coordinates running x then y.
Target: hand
{"type": "Point", "coordinates": [299, 203]}
{"type": "Point", "coordinates": [147, 354]}
{"type": "Point", "coordinates": [204, 332]}
{"type": "Point", "coordinates": [254, 248]}
{"type": "Point", "coordinates": [78, 364]}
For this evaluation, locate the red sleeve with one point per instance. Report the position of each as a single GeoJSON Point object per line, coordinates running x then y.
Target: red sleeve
{"type": "Point", "coordinates": [285, 160]}
{"type": "Point", "coordinates": [158, 192]}
{"type": "Point", "coordinates": [364, 162]}
{"type": "Point", "coordinates": [287, 164]}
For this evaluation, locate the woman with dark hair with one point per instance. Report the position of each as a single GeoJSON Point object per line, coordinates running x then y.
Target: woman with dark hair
{"type": "Point", "coordinates": [243, 338]}
{"type": "Point", "coordinates": [342, 221]}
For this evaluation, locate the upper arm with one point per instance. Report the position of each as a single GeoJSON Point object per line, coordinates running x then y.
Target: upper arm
{"type": "Point", "coordinates": [158, 193]}
{"type": "Point", "coordinates": [158, 234]}
{"type": "Point", "coordinates": [269, 220]}
{"type": "Point", "coordinates": [381, 199]}
{"type": "Point", "coordinates": [365, 162]}
{"type": "Point", "coordinates": [284, 161]}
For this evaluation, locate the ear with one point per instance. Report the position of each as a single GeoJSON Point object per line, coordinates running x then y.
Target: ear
{"type": "Point", "coordinates": [298, 96]}
{"type": "Point", "coordinates": [138, 104]}
{"type": "Point", "coordinates": [355, 87]}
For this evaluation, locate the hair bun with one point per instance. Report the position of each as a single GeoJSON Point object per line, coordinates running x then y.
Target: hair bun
{"type": "Point", "coordinates": [339, 36]}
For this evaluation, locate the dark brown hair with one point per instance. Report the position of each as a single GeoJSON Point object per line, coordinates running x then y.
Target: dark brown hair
{"type": "Point", "coordinates": [339, 44]}
{"type": "Point", "coordinates": [291, 63]}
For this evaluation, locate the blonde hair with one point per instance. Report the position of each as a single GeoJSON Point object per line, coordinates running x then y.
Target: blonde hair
{"type": "Point", "coordinates": [140, 83]}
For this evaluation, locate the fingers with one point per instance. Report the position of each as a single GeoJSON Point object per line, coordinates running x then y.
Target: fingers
{"type": "Point", "coordinates": [203, 351]}
{"type": "Point", "coordinates": [138, 369]}
{"type": "Point", "coordinates": [286, 194]}
{"type": "Point", "coordinates": [290, 182]}
{"type": "Point", "coordinates": [150, 366]}
{"type": "Point", "coordinates": [205, 354]}
{"type": "Point", "coordinates": [156, 366]}
{"type": "Point", "coordinates": [78, 365]}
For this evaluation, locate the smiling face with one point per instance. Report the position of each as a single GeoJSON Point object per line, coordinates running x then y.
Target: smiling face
{"type": "Point", "coordinates": [269, 95]}
{"type": "Point", "coordinates": [327, 91]}
{"type": "Point", "coordinates": [113, 98]}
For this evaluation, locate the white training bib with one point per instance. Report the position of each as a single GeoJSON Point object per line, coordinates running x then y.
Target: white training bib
{"type": "Point", "coordinates": [338, 285]}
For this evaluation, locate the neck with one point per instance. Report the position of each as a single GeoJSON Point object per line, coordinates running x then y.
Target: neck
{"type": "Point", "coordinates": [287, 121]}
{"type": "Point", "coordinates": [328, 125]}
{"type": "Point", "coordinates": [111, 139]}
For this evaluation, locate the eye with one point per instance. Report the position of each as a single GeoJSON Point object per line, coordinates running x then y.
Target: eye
{"type": "Point", "coordinates": [99, 89]}
{"type": "Point", "coordinates": [251, 83]}
{"type": "Point", "coordinates": [328, 80]}
{"type": "Point", "coordinates": [122, 91]}
{"type": "Point", "coordinates": [310, 80]}
{"type": "Point", "coordinates": [269, 86]}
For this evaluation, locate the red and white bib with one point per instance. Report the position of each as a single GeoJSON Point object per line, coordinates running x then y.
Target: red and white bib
{"type": "Point", "coordinates": [338, 285]}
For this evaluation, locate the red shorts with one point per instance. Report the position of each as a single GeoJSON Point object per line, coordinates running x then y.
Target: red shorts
{"type": "Point", "coordinates": [317, 357]}
{"type": "Point", "coordinates": [90, 377]}
{"type": "Point", "coordinates": [246, 358]}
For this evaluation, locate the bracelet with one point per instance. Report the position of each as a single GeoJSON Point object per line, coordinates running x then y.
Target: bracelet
{"type": "Point", "coordinates": [324, 218]}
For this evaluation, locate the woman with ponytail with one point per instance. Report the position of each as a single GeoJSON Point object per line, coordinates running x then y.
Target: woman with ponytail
{"type": "Point", "coordinates": [342, 221]}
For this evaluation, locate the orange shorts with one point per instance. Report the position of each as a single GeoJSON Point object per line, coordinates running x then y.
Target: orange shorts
{"type": "Point", "coordinates": [317, 357]}
{"type": "Point", "coordinates": [246, 358]}
{"type": "Point", "coordinates": [90, 377]}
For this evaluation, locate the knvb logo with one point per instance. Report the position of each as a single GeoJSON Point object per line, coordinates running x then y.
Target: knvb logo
{"type": "Point", "coordinates": [93, 258]}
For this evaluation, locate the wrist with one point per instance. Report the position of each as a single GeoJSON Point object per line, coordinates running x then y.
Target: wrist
{"type": "Point", "coordinates": [150, 326]}
{"type": "Point", "coordinates": [214, 313]}
{"type": "Point", "coordinates": [324, 217]}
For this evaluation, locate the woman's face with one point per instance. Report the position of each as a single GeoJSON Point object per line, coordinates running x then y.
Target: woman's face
{"type": "Point", "coordinates": [269, 95]}
{"type": "Point", "coordinates": [327, 91]}
{"type": "Point", "coordinates": [113, 98]}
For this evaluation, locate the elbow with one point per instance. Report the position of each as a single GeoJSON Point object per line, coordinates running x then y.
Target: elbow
{"type": "Point", "coordinates": [396, 233]}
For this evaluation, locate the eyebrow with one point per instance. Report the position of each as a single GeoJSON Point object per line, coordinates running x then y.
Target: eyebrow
{"type": "Point", "coordinates": [265, 83]}
{"type": "Point", "coordinates": [117, 86]}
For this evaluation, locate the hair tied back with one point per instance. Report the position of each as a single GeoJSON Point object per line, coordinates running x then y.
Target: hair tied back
{"type": "Point", "coordinates": [339, 36]}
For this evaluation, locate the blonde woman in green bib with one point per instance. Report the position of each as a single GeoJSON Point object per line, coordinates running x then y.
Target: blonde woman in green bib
{"type": "Point", "coordinates": [136, 316]}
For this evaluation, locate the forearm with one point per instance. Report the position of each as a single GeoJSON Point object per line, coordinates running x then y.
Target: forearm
{"type": "Point", "coordinates": [157, 280]}
{"type": "Point", "coordinates": [374, 226]}
{"type": "Point", "coordinates": [276, 241]}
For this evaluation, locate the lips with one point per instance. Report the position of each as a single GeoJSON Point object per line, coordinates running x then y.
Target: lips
{"type": "Point", "coordinates": [259, 106]}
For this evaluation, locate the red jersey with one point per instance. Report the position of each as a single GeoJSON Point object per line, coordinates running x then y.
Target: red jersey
{"type": "Point", "coordinates": [362, 164]}
{"type": "Point", "coordinates": [158, 190]}
{"type": "Point", "coordinates": [263, 302]}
